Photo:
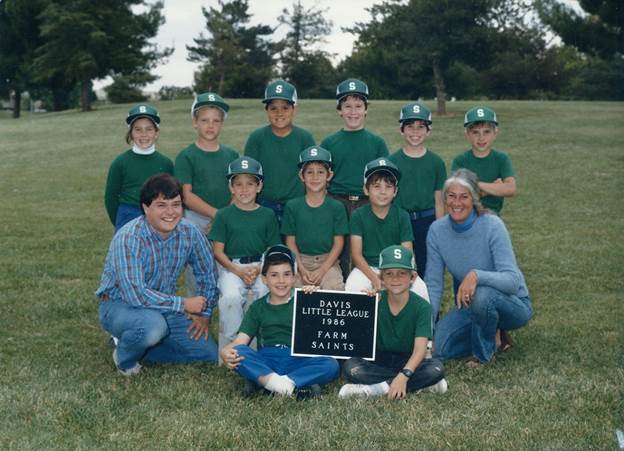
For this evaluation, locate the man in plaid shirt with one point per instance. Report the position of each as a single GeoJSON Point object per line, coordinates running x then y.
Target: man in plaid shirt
{"type": "Point", "coordinates": [139, 306]}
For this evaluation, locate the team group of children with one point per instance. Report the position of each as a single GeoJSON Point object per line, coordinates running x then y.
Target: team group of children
{"type": "Point", "coordinates": [344, 204]}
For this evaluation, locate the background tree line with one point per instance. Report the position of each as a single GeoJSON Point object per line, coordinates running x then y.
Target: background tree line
{"type": "Point", "coordinates": [498, 49]}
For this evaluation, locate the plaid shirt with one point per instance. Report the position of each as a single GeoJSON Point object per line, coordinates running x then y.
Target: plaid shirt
{"type": "Point", "coordinates": [142, 269]}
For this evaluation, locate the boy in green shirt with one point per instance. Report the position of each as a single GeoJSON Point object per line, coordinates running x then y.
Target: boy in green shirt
{"type": "Point", "coordinates": [377, 225]}
{"type": "Point", "coordinates": [317, 248]}
{"type": "Point", "coordinates": [240, 233]}
{"type": "Point", "coordinates": [269, 319]}
{"type": "Point", "coordinates": [277, 147]}
{"type": "Point", "coordinates": [493, 167]}
{"type": "Point", "coordinates": [201, 168]}
{"type": "Point", "coordinates": [403, 330]}
{"type": "Point", "coordinates": [351, 147]}
{"type": "Point", "coordinates": [424, 173]}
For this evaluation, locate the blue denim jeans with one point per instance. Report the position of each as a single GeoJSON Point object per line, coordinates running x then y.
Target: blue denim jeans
{"type": "Point", "coordinates": [472, 331]}
{"type": "Point", "coordinates": [303, 371]}
{"type": "Point", "coordinates": [278, 209]}
{"type": "Point", "coordinates": [125, 214]}
{"type": "Point", "coordinates": [420, 227]}
{"type": "Point", "coordinates": [387, 365]}
{"type": "Point", "coordinates": [153, 336]}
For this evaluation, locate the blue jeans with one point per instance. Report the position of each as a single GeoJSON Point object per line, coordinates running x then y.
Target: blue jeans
{"type": "Point", "coordinates": [277, 207]}
{"type": "Point", "coordinates": [154, 336]}
{"type": "Point", "coordinates": [303, 371]}
{"type": "Point", "coordinates": [125, 214]}
{"type": "Point", "coordinates": [387, 365]}
{"type": "Point", "coordinates": [420, 227]}
{"type": "Point", "coordinates": [471, 331]}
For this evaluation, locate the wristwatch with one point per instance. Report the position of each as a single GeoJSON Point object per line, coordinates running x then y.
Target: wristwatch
{"type": "Point", "coordinates": [407, 372]}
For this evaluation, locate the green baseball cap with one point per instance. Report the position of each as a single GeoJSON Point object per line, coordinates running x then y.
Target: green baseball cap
{"type": "Point", "coordinates": [397, 257]}
{"type": "Point", "coordinates": [415, 112]}
{"type": "Point", "coordinates": [314, 153]}
{"type": "Point", "coordinates": [209, 99]}
{"type": "Point", "coordinates": [139, 111]}
{"type": "Point", "coordinates": [351, 86]}
{"type": "Point", "coordinates": [245, 165]}
{"type": "Point", "coordinates": [480, 114]}
{"type": "Point", "coordinates": [280, 89]}
{"type": "Point", "coordinates": [381, 164]}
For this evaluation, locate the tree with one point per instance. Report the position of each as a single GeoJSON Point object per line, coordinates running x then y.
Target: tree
{"type": "Point", "coordinates": [302, 62]}
{"type": "Point", "coordinates": [86, 40]}
{"type": "Point", "coordinates": [236, 59]}
{"type": "Point", "coordinates": [19, 28]}
{"type": "Point", "coordinates": [425, 36]}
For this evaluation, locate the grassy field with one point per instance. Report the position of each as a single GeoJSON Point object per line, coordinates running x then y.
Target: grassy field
{"type": "Point", "coordinates": [560, 387]}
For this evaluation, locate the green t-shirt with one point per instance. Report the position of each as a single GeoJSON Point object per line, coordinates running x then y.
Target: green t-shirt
{"type": "Point", "coordinates": [420, 178]}
{"type": "Point", "coordinates": [126, 176]}
{"type": "Point", "coordinates": [279, 157]}
{"type": "Point", "coordinates": [206, 172]}
{"type": "Point", "coordinates": [351, 150]}
{"type": "Point", "coordinates": [497, 165]}
{"type": "Point", "coordinates": [245, 233]}
{"type": "Point", "coordinates": [314, 228]}
{"type": "Point", "coordinates": [377, 234]}
{"type": "Point", "coordinates": [270, 324]}
{"type": "Point", "coordinates": [397, 333]}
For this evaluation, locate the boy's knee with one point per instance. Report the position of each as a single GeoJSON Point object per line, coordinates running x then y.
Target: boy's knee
{"type": "Point", "coordinates": [351, 368]}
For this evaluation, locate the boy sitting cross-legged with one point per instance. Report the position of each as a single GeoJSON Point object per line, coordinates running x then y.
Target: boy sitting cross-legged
{"type": "Point", "coordinates": [315, 224]}
{"type": "Point", "coordinates": [269, 319]}
{"type": "Point", "coordinates": [378, 225]}
{"type": "Point", "coordinates": [403, 330]}
{"type": "Point", "coordinates": [240, 233]}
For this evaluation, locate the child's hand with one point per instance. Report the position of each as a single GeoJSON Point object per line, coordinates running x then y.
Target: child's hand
{"type": "Point", "coordinates": [307, 289]}
{"type": "Point", "coordinates": [398, 387]}
{"type": "Point", "coordinates": [314, 277]}
{"type": "Point", "coordinates": [248, 274]}
{"type": "Point", "coordinates": [230, 357]}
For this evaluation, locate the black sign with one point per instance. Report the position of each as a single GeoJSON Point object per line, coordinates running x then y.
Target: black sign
{"type": "Point", "coordinates": [339, 324]}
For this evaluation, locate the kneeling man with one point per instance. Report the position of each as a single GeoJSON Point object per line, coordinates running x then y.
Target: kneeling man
{"type": "Point", "coordinates": [139, 306]}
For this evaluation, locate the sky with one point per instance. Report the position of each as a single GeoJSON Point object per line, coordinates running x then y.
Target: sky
{"type": "Point", "coordinates": [185, 21]}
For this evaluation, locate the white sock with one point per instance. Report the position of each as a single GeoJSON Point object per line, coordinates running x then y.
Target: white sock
{"type": "Point", "coordinates": [363, 390]}
{"type": "Point", "coordinates": [282, 385]}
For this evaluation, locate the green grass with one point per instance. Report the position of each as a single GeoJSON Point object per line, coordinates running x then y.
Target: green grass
{"type": "Point", "coordinates": [560, 386]}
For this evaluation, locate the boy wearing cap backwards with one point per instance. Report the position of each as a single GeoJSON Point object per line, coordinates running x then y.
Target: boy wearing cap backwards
{"type": "Point", "coordinates": [269, 319]}
{"type": "Point", "coordinates": [377, 225]}
{"type": "Point", "coordinates": [493, 167]}
{"type": "Point", "coordinates": [202, 167]}
{"type": "Point", "coordinates": [277, 147]}
{"type": "Point", "coordinates": [420, 190]}
{"type": "Point", "coordinates": [131, 169]}
{"type": "Point", "coordinates": [315, 224]}
{"type": "Point", "coordinates": [240, 233]}
{"type": "Point", "coordinates": [403, 330]}
{"type": "Point", "coordinates": [351, 147]}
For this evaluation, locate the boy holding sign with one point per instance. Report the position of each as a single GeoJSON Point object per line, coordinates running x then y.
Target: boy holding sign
{"type": "Point", "coordinates": [403, 330]}
{"type": "Point", "coordinates": [269, 319]}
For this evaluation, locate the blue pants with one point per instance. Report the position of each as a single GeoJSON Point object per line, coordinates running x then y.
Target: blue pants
{"type": "Point", "coordinates": [278, 209]}
{"type": "Point", "coordinates": [126, 213]}
{"type": "Point", "coordinates": [153, 336]}
{"type": "Point", "coordinates": [303, 371]}
{"type": "Point", "coordinates": [471, 331]}
{"type": "Point", "coordinates": [420, 227]}
{"type": "Point", "coordinates": [387, 365]}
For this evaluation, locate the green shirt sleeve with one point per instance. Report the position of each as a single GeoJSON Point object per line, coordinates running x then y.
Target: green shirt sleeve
{"type": "Point", "coordinates": [112, 191]}
{"type": "Point", "coordinates": [440, 175]}
{"type": "Point", "coordinates": [251, 146]}
{"type": "Point", "coordinates": [505, 165]}
{"type": "Point", "coordinates": [183, 169]}
{"type": "Point", "coordinates": [357, 225]}
{"type": "Point", "coordinates": [341, 223]}
{"type": "Point", "coordinates": [423, 321]}
{"type": "Point", "coordinates": [251, 324]}
{"type": "Point", "coordinates": [273, 236]}
{"type": "Point", "coordinates": [288, 221]}
{"type": "Point", "coordinates": [218, 230]}
{"type": "Point", "coordinates": [405, 225]}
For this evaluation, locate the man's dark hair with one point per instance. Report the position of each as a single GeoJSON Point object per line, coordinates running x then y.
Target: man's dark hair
{"type": "Point", "coordinates": [160, 184]}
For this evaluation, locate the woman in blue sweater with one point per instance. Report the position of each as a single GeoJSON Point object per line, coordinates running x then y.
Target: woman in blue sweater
{"type": "Point", "coordinates": [491, 294]}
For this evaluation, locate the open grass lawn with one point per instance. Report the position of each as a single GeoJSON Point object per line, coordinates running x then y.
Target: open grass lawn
{"type": "Point", "coordinates": [559, 387]}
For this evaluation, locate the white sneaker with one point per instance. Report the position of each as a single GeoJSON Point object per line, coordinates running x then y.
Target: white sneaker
{"type": "Point", "coordinates": [359, 390]}
{"type": "Point", "coordinates": [440, 387]}
{"type": "Point", "coordinates": [136, 369]}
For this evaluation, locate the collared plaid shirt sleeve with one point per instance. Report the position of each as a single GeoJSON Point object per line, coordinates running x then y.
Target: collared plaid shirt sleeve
{"type": "Point", "coordinates": [142, 269]}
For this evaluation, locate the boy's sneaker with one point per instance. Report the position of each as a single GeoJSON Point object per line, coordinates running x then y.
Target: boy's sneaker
{"type": "Point", "coordinates": [308, 392]}
{"type": "Point", "coordinates": [440, 387]}
{"type": "Point", "coordinates": [136, 369]}
{"type": "Point", "coordinates": [359, 390]}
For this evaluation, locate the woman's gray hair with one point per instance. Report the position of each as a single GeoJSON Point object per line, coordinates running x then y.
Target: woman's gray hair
{"type": "Point", "coordinates": [470, 181]}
